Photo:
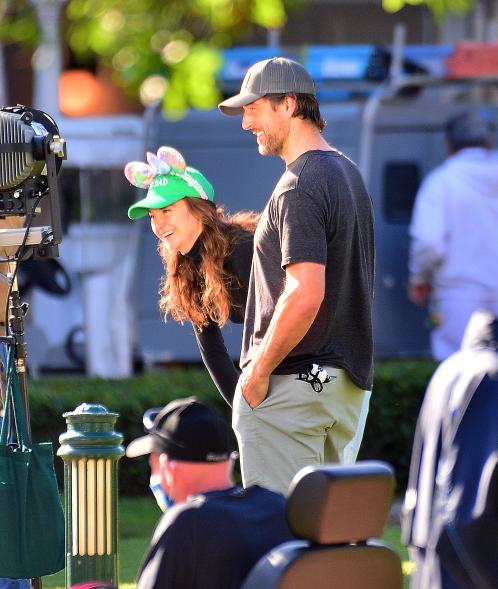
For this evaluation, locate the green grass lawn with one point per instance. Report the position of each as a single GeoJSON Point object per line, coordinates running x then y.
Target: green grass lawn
{"type": "Point", "coordinates": [137, 519]}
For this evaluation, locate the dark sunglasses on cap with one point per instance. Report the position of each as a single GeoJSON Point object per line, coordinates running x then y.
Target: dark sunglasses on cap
{"type": "Point", "coordinates": [149, 418]}
{"type": "Point", "coordinates": [148, 421]}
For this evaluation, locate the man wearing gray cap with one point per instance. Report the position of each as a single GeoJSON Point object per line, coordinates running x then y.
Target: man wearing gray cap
{"type": "Point", "coordinates": [306, 355]}
{"type": "Point", "coordinates": [212, 532]}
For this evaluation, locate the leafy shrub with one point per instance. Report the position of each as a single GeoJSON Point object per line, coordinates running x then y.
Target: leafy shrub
{"type": "Point", "coordinates": [398, 392]}
{"type": "Point", "coordinates": [51, 397]}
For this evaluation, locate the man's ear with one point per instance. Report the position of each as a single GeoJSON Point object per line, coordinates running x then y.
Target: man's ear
{"type": "Point", "coordinates": [164, 464]}
{"type": "Point", "coordinates": [290, 102]}
{"type": "Point", "coordinates": [166, 468]}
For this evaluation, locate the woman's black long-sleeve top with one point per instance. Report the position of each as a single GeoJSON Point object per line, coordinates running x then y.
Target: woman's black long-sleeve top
{"type": "Point", "coordinates": [210, 340]}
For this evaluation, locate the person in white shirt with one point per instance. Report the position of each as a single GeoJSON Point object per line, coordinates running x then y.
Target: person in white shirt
{"type": "Point", "coordinates": [454, 233]}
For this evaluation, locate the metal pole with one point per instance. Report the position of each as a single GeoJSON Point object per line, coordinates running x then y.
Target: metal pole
{"type": "Point", "coordinates": [3, 77]}
{"type": "Point", "coordinates": [367, 129]}
{"type": "Point", "coordinates": [47, 59]}
{"type": "Point", "coordinates": [385, 90]}
{"type": "Point", "coordinates": [16, 321]}
{"type": "Point", "coordinates": [398, 49]}
{"type": "Point", "coordinates": [91, 449]}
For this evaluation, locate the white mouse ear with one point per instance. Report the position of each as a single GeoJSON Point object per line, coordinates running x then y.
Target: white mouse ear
{"type": "Point", "coordinates": [158, 166]}
{"type": "Point", "coordinates": [173, 157]}
{"type": "Point", "coordinates": [139, 174]}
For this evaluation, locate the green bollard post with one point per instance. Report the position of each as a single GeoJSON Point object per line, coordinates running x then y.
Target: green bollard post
{"type": "Point", "coordinates": [91, 449]}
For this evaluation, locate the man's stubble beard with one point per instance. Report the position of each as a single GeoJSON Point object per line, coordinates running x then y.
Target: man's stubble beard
{"type": "Point", "coordinates": [274, 145]}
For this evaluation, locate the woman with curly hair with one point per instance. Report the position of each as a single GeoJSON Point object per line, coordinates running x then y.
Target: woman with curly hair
{"type": "Point", "coordinates": [206, 254]}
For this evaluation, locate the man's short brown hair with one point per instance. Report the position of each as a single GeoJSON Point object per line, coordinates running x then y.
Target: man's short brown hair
{"type": "Point", "coordinates": [307, 107]}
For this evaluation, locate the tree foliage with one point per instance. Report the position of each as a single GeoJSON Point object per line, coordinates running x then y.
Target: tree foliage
{"type": "Point", "coordinates": [168, 50]}
{"type": "Point", "coordinates": [439, 8]}
{"type": "Point", "coordinates": [158, 50]}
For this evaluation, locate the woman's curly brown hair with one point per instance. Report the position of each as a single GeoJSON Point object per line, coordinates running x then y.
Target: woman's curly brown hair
{"type": "Point", "coordinates": [200, 291]}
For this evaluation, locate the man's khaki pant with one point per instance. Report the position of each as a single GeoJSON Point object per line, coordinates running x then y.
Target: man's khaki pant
{"type": "Point", "coordinates": [296, 427]}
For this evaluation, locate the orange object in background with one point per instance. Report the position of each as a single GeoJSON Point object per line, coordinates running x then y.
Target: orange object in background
{"type": "Point", "coordinates": [471, 60]}
{"type": "Point", "coordinates": [82, 93]}
{"type": "Point", "coordinates": [79, 93]}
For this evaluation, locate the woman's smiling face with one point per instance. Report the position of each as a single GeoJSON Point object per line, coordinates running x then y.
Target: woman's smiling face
{"type": "Point", "coordinates": [176, 226]}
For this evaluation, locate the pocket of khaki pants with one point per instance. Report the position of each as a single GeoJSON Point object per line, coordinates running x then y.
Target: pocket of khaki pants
{"type": "Point", "coordinates": [240, 403]}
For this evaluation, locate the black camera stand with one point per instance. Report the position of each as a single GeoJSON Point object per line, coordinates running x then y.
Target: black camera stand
{"type": "Point", "coordinates": [17, 312]}
{"type": "Point", "coordinates": [31, 154]}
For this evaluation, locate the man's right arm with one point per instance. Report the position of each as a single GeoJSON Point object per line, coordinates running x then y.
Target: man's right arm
{"type": "Point", "coordinates": [428, 238]}
{"type": "Point", "coordinates": [294, 314]}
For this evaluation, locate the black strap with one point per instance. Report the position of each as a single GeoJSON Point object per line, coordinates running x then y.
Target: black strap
{"type": "Point", "coordinates": [312, 377]}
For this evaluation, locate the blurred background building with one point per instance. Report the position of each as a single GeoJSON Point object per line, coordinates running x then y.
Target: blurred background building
{"type": "Point", "coordinates": [362, 57]}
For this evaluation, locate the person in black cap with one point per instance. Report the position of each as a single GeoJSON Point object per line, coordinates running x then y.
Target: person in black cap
{"type": "Point", "coordinates": [212, 532]}
{"type": "Point", "coordinates": [307, 351]}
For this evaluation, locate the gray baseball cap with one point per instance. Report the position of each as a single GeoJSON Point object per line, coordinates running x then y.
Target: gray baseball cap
{"type": "Point", "coordinates": [278, 75]}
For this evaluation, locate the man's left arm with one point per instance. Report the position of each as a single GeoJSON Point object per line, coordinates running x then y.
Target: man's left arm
{"type": "Point", "coordinates": [294, 313]}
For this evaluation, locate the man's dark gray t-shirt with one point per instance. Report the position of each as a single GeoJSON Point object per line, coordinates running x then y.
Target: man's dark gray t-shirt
{"type": "Point", "coordinates": [319, 212]}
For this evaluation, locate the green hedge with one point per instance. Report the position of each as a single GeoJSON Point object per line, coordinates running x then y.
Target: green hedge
{"type": "Point", "coordinates": [398, 391]}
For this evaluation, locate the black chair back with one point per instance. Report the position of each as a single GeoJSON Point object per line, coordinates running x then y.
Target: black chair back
{"type": "Point", "coordinates": [338, 511]}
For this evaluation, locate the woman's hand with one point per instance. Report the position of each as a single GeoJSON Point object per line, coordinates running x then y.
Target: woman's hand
{"type": "Point", "coordinates": [253, 386]}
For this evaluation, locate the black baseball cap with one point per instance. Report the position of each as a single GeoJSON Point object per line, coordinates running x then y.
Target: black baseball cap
{"type": "Point", "coordinates": [185, 430]}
